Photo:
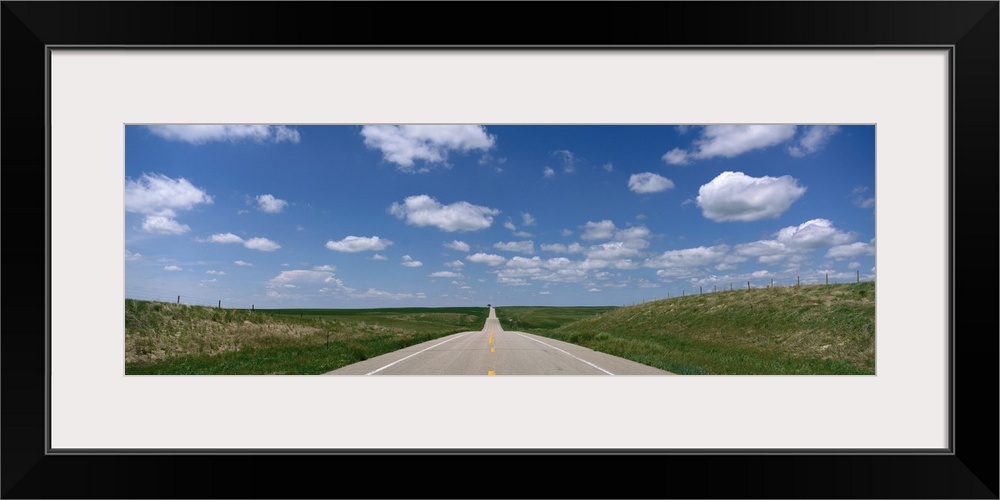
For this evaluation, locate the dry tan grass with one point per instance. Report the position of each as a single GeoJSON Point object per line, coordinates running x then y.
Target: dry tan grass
{"type": "Point", "coordinates": [179, 337]}
{"type": "Point", "coordinates": [159, 331]}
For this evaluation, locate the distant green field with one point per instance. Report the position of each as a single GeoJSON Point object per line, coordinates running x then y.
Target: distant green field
{"type": "Point", "coordinates": [427, 312]}
{"type": "Point", "coordinates": [815, 329]}
{"type": "Point", "coordinates": [171, 339]}
{"type": "Point", "coordinates": [534, 319]}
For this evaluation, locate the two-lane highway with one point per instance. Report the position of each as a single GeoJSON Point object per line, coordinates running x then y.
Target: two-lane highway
{"type": "Point", "coordinates": [494, 351]}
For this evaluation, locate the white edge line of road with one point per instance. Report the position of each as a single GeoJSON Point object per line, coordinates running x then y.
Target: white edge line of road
{"type": "Point", "coordinates": [564, 352]}
{"type": "Point", "coordinates": [418, 352]}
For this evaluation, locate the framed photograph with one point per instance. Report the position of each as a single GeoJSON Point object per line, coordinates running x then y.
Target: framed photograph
{"type": "Point", "coordinates": [881, 111]}
{"type": "Point", "coordinates": [510, 251]}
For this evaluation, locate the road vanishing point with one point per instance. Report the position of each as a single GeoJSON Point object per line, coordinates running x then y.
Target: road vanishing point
{"type": "Point", "coordinates": [495, 351]}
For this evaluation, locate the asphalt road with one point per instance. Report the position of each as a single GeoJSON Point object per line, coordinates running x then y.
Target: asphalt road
{"type": "Point", "coordinates": [494, 351]}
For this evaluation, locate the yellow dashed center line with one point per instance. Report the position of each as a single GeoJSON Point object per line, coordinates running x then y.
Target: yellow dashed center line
{"type": "Point", "coordinates": [492, 350]}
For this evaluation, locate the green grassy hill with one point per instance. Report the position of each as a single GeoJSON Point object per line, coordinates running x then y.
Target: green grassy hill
{"type": "Point", "coordinates": [175, 339]}
{"type": "Point", "coordinates": [814, 329]}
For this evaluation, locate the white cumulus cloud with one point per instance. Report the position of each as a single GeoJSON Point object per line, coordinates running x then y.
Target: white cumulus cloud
{"type": "Point", "coordinates": [813, 139]}
{"type": "Point", "coordinates": [445, 274]}
{"type": "Point", "coordinates": [792, 243]}
{"type": "Point", "coordinates": [690, 257]}
{"type": "Point", "coordinates": [767, 251]}
{"type": "Point", "coordinates": [262, 244]}
{"type": "Point", "coordinates": [602, 230]}
{"type": "Point", "coordinates": [354, 244]}
{"type": "Point", "coordinates": [201, 134]}
{"type": "Point", "coordinates": [648, 182]}
{"type": "Point", "coordinates": [634, 236]}
{"type": "Point", "coordinates": [242, 263]}
{"type": "Point", "coordinates": [676, 156]}
{"type": "Point", "coordinates": [861, 199]}
{"type": "Point", "coordinates": [379, 256]}
{"type": "Point", "coordinates": [513, 228]}
{"type": "Point", "coordinates": [158, 197]}
{"type": "Point", "coordinates": [516, 246]}
{"type": "Point", "coordinates": [303, 277]}
{"type": "Point", "coordinates": [730, 140]}
{"type": "Point", "coordinates": [373, 293]}
{"type": "Point", "coordinates": [269, 204]}
{"type": "Point", "coordinates": [813, 234]}
{"type": "Point", "coordinates": [405, 144]}
{"type": "Point", "coordinates": [735, 196]}
{"type": "Point", "coordinates": [156, 194]}
{"type": "Point", "coordinates": [409, 262]}
{"type": "Point", "coordinates": [507, 281]}
{"type": "Point", "coordinates": [485, 258]}
{"type": "Point", "coordinates": [212, 271]}
{"type": "Point", "coordinates": [422, 210]}
{"type": "Point", "coordinates": [524, 262]}
{"type": "Point", "coordinates": [461, 246]}
{"type": "Point", "coordinates": [548, 172]}
{"type": "Point", "coordinates": [850, 251]}
{"type": "Point", "coordinates": [172, 268]}
{"type": "Point", "coordinates": [225, 238]}
{"type": "Point", "coordinates": [560, 248]}
{"type": "Point", "coordinates": [612, 250]}
{"type": "Point", "coordinates": [159, 224]}
{"type": "Point", "coordinates": [569, 160]}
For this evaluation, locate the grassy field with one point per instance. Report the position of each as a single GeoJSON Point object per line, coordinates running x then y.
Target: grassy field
{"type": "Point", "coordinates": [815, 329]}
{"type": "Point", "coordinates": [172, 339]}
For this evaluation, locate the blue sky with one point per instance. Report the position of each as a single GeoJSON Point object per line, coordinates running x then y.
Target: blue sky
{"type": "Point", "coordinates": [463, 215]}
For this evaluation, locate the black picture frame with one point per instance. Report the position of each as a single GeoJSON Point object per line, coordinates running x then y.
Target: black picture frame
{"type": "Point", "coordinates": [970, 470]}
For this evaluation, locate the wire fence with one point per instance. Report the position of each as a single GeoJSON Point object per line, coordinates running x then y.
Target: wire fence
{"type": "Point", "coordinates": [715, 285]}
{"type": "Point", "coordinates": [164, 295]}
